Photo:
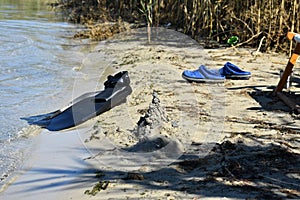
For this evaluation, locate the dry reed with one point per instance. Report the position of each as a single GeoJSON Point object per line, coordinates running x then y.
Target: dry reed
{"type": "Point", "coordinates": [250, 20]}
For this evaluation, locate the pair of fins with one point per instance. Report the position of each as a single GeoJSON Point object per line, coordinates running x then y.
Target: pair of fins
{"type": "Point", "coordinates": [87, 106]}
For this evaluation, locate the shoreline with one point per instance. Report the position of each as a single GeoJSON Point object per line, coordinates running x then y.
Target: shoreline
{"type": "Point", "coordinates": [226, 124]}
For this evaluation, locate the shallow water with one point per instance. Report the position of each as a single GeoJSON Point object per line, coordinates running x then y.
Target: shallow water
{"type": "Point", "coordinates": [37, 61]}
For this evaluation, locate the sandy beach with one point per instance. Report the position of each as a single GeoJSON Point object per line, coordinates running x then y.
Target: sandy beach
{"type": "Point", "coordinates": [230, 140]}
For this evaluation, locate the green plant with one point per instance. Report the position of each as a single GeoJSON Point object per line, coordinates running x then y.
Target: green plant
{"type": "Point", "coordinates": [233, 40]}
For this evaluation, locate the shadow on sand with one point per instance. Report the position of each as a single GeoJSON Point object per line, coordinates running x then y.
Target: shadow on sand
{"type": "Point", "coordinates": [231, 170]}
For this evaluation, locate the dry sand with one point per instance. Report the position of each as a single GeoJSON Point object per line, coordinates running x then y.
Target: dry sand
{"type": "Point", "coordinates": [217, 141]}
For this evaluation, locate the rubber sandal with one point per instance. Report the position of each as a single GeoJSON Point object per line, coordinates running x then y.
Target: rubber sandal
{"type": "Point", "coordinates": [203, 75]}
{"type": "Point", "coordinates": [231, 71]}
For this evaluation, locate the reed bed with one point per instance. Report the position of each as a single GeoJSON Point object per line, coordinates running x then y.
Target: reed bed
{"type": "Point", "coordinates": [253, 21]}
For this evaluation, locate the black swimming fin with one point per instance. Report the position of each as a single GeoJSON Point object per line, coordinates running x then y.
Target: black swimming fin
{"type": "Point", "coordinates": [87, 106]}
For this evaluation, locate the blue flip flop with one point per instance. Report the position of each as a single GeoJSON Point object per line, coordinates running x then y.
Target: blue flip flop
{"type": "Point", "coordinates": [203, 75]}
{"type": "Point", "coordinates": [231, 71]}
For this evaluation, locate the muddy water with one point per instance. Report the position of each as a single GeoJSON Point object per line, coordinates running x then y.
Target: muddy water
{"type": "Point", "coordinates": [38, 58]}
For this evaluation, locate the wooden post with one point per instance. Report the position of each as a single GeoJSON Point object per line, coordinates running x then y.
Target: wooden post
{"type": "Point", "coordinates": [288, 69]}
